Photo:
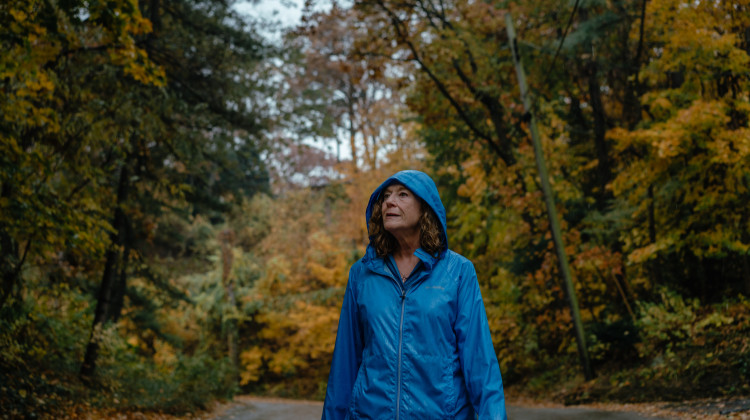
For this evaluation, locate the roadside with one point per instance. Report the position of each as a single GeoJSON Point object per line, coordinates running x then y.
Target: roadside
{"type": "Point", "coordinates": [704, 409]}
{"type": "Point", "coordinates": [247, 407]}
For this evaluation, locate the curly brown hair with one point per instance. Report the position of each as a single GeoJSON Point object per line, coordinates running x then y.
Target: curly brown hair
{"type": "Point", "coordinates": [430, 231]}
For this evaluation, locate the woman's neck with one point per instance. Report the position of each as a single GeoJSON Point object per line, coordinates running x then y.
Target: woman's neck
{"type": "Point", "coordinates": [407, 245]}
{"type": "Point", "coordinates": [405, 261]}
{"type": "Point", "coordinates": [404, 254]}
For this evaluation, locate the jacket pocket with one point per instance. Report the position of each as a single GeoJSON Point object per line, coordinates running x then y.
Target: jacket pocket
{"type": "Point", "coordinates": [357, 390]}
{"type": "Point", "coordinates": [428, 387]}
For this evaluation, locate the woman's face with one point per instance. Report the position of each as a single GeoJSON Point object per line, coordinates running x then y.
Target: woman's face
{"type": "Point", "coordinates": [401, 210]}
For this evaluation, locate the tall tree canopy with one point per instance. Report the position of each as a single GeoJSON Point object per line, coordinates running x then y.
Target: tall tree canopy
{"type": "Point", "coordinates": [122, 123]}
{"type": "Point", "coordinates": [178, 208]}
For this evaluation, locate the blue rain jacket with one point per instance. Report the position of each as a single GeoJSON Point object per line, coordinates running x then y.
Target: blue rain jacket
{"type": "Point", "coordinates": [419, 349]}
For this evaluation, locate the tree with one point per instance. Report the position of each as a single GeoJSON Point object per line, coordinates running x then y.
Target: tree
{"type": "Point", "coordinates": [200, 146]}
{"type": "Point", "coordinates": [684, 167]}
{"type": "Point", "coordinates": [331, 91]}
{"type": "Point", "coordinates": [435, 39]}
{"type": "Point", "coordinates": [56, 135]}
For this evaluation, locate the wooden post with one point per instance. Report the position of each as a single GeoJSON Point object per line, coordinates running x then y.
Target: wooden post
{"type": "Point", "coordinates": [550, 202]}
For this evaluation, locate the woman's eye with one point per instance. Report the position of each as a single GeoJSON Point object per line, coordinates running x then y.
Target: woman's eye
{"type": "Point", "coordinates": [403, 194]}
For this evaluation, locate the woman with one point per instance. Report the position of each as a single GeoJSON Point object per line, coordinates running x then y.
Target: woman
{"type": "Point", "coordinates": [413, 340]}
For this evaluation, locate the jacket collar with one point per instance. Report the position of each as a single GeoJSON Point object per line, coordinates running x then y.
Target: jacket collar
{"type": "Point", "coordinates": [428, 260]}
{"type": "Point", "coordinates": [377, 264]}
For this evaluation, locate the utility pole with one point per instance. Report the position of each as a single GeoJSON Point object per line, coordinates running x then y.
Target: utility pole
{"type": "Point", "coordinates": [549, 200]}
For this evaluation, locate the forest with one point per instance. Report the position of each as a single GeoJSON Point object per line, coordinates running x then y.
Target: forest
{"type": "Point", "coordinates": [183, 186]}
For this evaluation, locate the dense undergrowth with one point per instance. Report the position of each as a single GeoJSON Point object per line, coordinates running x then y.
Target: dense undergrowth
{"type": "Point", "coordinates": [682, 351]}
{"type": "Point", "coordinates": [41, 348]}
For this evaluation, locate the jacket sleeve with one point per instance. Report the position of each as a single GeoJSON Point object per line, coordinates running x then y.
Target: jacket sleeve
{"type": "Point", "coordinates": [476, 351]}
{"type": "Point", "coordinates": [347, 356]}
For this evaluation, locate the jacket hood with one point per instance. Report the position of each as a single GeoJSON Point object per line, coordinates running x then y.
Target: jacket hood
{"type": "Point", "coordinates": [422, 186]}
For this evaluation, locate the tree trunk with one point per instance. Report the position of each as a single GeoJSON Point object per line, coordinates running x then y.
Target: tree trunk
{"type": "Point", "coordinates": [227, 257]}
{"type": "Point", "coordinates": [106, 304]}
{"type": "Point", "coordinates": [746, 273]}
{"type": "Point", "coordinates": [632, 105]}
{"type": "Point", "coordinates": [118, 295]}
{"type": "Point", "coordinates": [700, 274]}
{"type": "Point", "coordinates": [603, 169]}
{"type": "Point", "coordinates": [745, 259]}
{"type": "Point", "coordinates": [352, 128]}
{"type": "Point", "coordinates": [655, 265]}
{"type": "Point", "coordinates": [9, 264]}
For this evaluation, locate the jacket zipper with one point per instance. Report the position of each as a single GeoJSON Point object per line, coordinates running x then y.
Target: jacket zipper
{"type": "Point", "coordinates": [400, 346]}
{"type": "Point", "coordinates": [402, 285]}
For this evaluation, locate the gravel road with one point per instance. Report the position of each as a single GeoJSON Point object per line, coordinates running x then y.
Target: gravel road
{"type": "Point", "coordinates": [251, 408]}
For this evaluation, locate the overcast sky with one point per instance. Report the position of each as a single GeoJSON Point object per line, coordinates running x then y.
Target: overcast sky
{"type": "Point", "coordinates": [287, 12]}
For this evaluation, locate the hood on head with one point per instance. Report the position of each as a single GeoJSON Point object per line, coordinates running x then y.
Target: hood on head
{"type": "Point", "coordinates": [420, 184]}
